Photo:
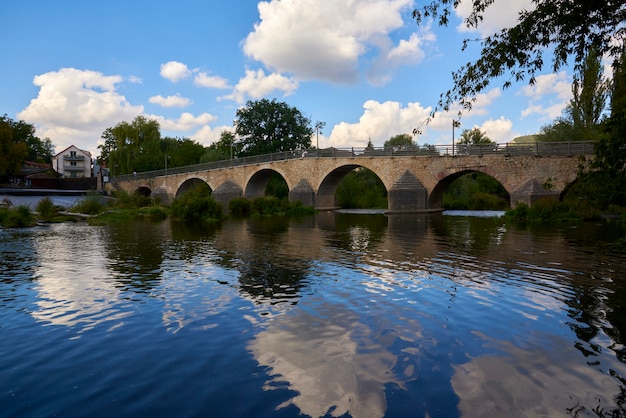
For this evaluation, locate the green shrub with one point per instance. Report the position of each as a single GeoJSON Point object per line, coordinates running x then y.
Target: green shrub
{"type": "Point", "coordinates": [124, 200]}
{"type": "Point", "coordinates": [298, 209]}
{"type": "Point", "coordinates": [595, 192]}
{"type": "Point", "coordinates": [268, 206]}
{"type": "Point", "coordinates": [19, 217]}
{"type": "Point", "coordinates": [156, 213]}
{"type": "Point", "coordinates": [240, 206]}
{"type": "Point", "coordinates": [486, 201]}
{"type": "Point", "coordinates": [195, 206]}
{"type": "Point", "coordinates": [521, 213]}
{"type": "Point", "coordinates": [543, 210]}
{"type": "Point", "coordinates": [46, 209]}
{"type": "Point", "coordinates": [452, 202]}
{"type": "Point", "coordinates": [92, 204]}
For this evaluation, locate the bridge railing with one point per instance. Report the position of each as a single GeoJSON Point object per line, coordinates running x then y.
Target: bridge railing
{"type": "Point", "coordinates": [432, 151]}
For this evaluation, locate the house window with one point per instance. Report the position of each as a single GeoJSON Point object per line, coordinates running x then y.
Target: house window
{"type": "Point", "coordinates": [73, 163]}
{"type": "Point", "coordinates": [73, 154]}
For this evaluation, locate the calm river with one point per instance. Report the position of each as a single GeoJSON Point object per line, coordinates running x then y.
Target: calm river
{"type": "Point", "coordinates": [334, 315]}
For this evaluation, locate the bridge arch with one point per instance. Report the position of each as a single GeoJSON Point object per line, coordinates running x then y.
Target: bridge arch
{"type": "Point", "coordinates": [257, 183]}
{"type": "Point", "coordinates": [192, 184]}
{"type": "Point", "coordinates": [436, 196]}
{"type": "Point", "coordinates": [326, 197]}
{"type": "Point", "coordinates": [143, 191]}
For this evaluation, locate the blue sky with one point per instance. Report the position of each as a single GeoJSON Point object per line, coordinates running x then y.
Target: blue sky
{"type": "Point", "coordinates": [74, 68]}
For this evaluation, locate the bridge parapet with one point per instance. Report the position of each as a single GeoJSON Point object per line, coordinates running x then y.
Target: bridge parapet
{"type": "Point", "coordinates": [415, 177]}
{"type": "Point", "coordinates": [538, 149]}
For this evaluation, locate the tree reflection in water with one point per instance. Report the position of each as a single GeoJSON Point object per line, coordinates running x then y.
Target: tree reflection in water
{"type": "Point", "coordinates": [368, 316]}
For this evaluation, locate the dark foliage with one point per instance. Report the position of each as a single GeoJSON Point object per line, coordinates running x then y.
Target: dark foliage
{"type": "Point", "coordinates": [361, 189]}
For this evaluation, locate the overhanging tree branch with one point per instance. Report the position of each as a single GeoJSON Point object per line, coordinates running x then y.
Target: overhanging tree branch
{"type": "Point", "coordinates": [565, 28]}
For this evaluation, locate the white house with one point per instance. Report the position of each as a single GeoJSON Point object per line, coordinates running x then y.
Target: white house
{"type": "Point", "coordinates": [72, 162]}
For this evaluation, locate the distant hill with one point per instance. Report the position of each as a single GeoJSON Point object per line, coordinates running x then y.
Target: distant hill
{"type": "Point", "coordinates": [526, 139]}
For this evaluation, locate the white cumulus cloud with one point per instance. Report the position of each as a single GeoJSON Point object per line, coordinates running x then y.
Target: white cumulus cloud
{"type": "Point", "coordinates": [499, 130]}
{"type": "Point", "coordinates": [170, 101]}
{"type": "Point", "coordinates": [378, 123]}
{"type": "Point", "coordinates": [256, 85]}
{"type": "Point", "coordinates": [175, 71]}
{"type": "Point", "coordinates": [383, 120]}
{"type": "Point", "coordinates": [326, 39]}
{"type": "Point", "coordinates": [549, 96]}
{"type": "Point", "coordinates": [204, 80]}
{"type": "Point", "coordinates": [74, 107]}
{"type": "Point", "coordinates": [499, 15]}
{"type": "Point", "coordinates": [208, 135]}
{"type": "Point", "coordinates": [185, 122]}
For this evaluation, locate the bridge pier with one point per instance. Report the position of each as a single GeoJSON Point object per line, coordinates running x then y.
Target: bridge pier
{"type": "Point", "coordinates": [530, 192]}
{"type": "Point", "coordinates": [304, 193]}
{"type": "Point", "coordinates": [227, 191]}
{"type": "Point", "coordinates": [325, 202]}
{"type": "Point", "coordinates": [407, 195]}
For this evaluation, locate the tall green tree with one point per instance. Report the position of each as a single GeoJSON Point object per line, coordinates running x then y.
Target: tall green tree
{"type": "Point", "coordinates": [610, 153]}
{"type": "Point", "coordinates": [590, 91]}
{"type": "Point", "coordinates": [13, 152]}
{"type": "Point", "coordinates": [399, 141]}
{"type": "Point", "coordinates": [180, 151]}
{"type": "Point", "coordinates": [267, 126]}
{"type": "Point", "coordinates": [223, 149]}
{"type": "Point", "coordinates": [564, 29]}
{"type": "Point", "coordinates": [605, 184]}
{"type": "Point", "coordinates": [40, 150]}
{"type": "Point", "coordinates": [474, 136]}
{"type": "Point", "coordinates": [133, 146]}
{"type": "Point", "coordinates": [106, 148]}
{"type": "Point", "coordinates": [582, 117]}
{"type": "Point", "coordinates": [18, 143]}
{"type": "Point", "coordinates": [560, 130]}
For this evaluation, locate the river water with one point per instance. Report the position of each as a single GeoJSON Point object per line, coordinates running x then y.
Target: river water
{"type": "Point", "coordinates": [330, 315]}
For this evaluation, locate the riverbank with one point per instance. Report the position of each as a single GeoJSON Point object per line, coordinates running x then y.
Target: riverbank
{"type": "Point", "coordinates": [41, 192]}
{"type": "Point", "coordinates": [31, 200]}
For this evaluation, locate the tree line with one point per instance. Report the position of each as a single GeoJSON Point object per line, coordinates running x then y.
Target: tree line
{"type": "Point", "coordinates": [261, 127]}
{"type": "Point", "coordinates": [18, 143]}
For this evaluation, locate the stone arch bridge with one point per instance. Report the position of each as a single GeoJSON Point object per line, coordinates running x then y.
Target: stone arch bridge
{"type": "Point", "coordinates": [415, 177]}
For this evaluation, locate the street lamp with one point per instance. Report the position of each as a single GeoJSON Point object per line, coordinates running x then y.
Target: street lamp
{"type": "Point", "coordinates": [165, 157]}
{"type": "Point", "coordinates": [455, 124]}
{"type": "Point", "coordinates": [232, 139]}
{"type": "Point", "coordinates": [318, 126]}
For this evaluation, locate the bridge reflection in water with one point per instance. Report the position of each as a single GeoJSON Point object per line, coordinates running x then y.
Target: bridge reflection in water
{"type": "Point", "coordinates": [415, 177]}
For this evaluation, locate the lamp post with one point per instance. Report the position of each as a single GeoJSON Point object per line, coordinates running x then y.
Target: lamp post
{"type": "Point", "coordinates": [318, 126]}
{"type": "Point", "coordinates": [232, 139]}
{"type": "Point", "coordinates": [165, 157]}
{"type": "Point", "coordinates": [455, 124]}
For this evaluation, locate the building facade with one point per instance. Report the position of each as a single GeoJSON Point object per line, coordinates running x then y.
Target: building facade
{"type": "Point", "coordinates": [72, 162]}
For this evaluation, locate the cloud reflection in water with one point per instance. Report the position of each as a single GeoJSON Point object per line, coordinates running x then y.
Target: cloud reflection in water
{"type": "Point", "coordinates": [334, 363]}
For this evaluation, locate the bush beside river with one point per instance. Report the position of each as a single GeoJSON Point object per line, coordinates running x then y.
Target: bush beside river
{"type": "Point", "coordinates": [192, 207]}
